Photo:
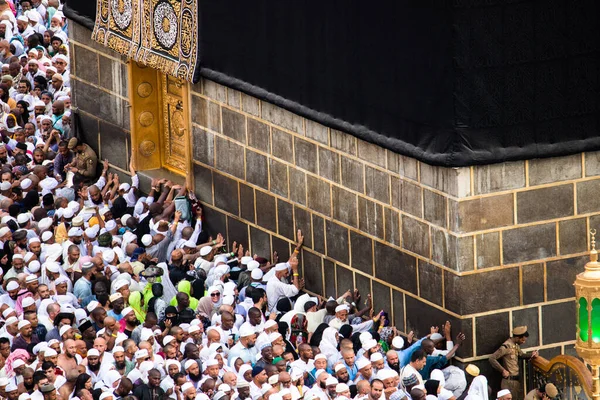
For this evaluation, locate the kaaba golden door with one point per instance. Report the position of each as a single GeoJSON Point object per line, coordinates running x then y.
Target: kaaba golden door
{"type": "Point", "coordinates": [160, 120]}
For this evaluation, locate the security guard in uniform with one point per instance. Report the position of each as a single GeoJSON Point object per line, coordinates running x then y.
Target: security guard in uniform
{"type": "Point", "coordinates": [84, 164]}
{"type": "Point", "coordinates": [506, 360]}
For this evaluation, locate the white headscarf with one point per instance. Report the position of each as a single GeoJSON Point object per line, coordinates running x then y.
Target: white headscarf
{"type": "Point", "coordinates": [9, 30]}
{"type": "Point", "coordinates": [329, 342]}
{"type": "Point", "coordinates": [478, 389]}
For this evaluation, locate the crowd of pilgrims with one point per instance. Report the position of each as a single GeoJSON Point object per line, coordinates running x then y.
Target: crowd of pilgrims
{"type": "Point", "coordinates": [108, 293]}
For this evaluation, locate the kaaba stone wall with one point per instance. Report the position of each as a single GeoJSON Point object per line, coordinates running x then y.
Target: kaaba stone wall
{"type": "Point", "coordinates": [486, 247]}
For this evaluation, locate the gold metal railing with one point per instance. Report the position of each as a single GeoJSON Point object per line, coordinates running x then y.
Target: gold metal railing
{"type": "Point", "coordinates": [571, 376]}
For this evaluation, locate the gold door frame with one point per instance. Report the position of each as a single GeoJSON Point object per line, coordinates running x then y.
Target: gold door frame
{"type": "Point", "coordinates": [160, 121]}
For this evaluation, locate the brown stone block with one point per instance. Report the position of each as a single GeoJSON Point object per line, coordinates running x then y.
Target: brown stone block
{"type": "Point", "coordinates": [257, 170]}
{"type": "Point", "coordinates": [361, 248]}
{"type": "Point", "coordinates": [115, 82]}
{"type": "Point", "coordinates": [498, 177]}
{"type": "Point", "coordinates": [529, 243]}
{"type": "Point", "coordinates": [558, 322]}
{"type": "Point", "coordinates": [492, 331]}
{"type": "Point", "coordinates": [282, 247]}
{"type": "Point", "coordinates": [329, 164]}
{"type": "Point", "coordinates": [250, 104]}
{"type": "Point", "coordinates": [371, 152]}
{"type": "Point", "coordinates": [226, 193]}
{"type": "Point", "coordinates": [434, 205]}
{"type": "Point", "coordinates": [528, 317]}
{"type": "Point", "coordinates": [488, 249]}
{"type": "Point", "coordinates": [572, 236]}
{"type": "Point", "coordinates": [313, 272]}
{"type": "Point", "coordinates": [430, 282]}
{"type": "Point", "coordinates": [353, 174]}
{"type": "Point", "coordinates": [546, 203]}
{"type": "Point", "coordinates": [396, 267]}
{"type": "Point", "coordinates": [343, 141]}
{"type": "Point", "coordinates": [484, 213]}
{"type": "Point", "coordinates": [214, 222]}
{"type": "Point", "coordinates": [409, 167]}
{"type": "Point", "coordinates": [266, 213]}
{"type": "Point", "coordinates": [203, 184]}
{"type": "Point", "coordinates": [260, 243]}
{"type": "Point", "coordinates": [258, 135]}
{"type": "Point", "coordinates": [214, 90]}
{"type": "Point", "coordinates": [233, 98]}
{"type": "Point", "coordinates": [206, 113]}
{"type": "Point", "coordinates": [370, 217]}
{"type": "Point", "coordinates": [382, 298]}
{"type": "Point", "coordinates": [398, 305]}
{"type": "Point", "coordinates": [297, 186]}
{"type": "Point", "coordinates": [318, 195]}
{"type": "Point", "coordinates": [533, 283]}
{"type": "Point", "coordinates": [90, 129]}
{"type": "Point", "coordinates": [279, 177]}
{"type": "Point", "coordinates": [362, 283]}
{"type": "Point", "coordinates": [237, 231]}
{"type": "Point", "coordinates": [285, 219]}
{"type": "Point", "coordinates": [393, 161]}
{"type": "Point", "coordinates": [230, 157]}
{"type": "Point", "coordinates": [392, 226]}
{"type": "Point", "coordinates": [592, 163]}
{"type": "Point", "coordinates": [453, 252]}
{"type": "Point", "coordinates": [344, 206]}
{"type": "Point", "coordinates": [283, 118]}
{"type": "Point", "coordinates": [306, 155]}
{"type": "Point", "coordinates": [89, 59]}
{"type": "Point", "coordinates": [302, 221]}
{"type": "Point", "coordinates": [454, 181]}
{"type": "Point", "coordinates": [560, 275]}
{"type": "Point", "coordinates": [555, 169]}
{"type": "Point", "coordinates": [102, 105]}
{"type": "Point", "coordinates": [282, 145]}
{"type": "Point", "coordinates": [415, 236]}
{"type": "Point", "coordinates": [588, 199]}
{"type": "Point", "coordinates": [478, 289]}
{"type": "Point", "coordinates": [377, 184]}
{"type": "Point", "coordinates": [407, 197]}
{"type": "Point", "coordinates": [204, 145]}
{"type": "Point", "coordinates": [344, 279]}
{"type": "Point", "coordinates": [318, 225]}
{"type": "Point", "coordinates": [234, 125]}
{"type": "Point", "coordinates": [337, 242]}
{"type": "Point", "coordinates": [329, 272]}
{"type": "Point", "coordinates": [317, 131]}
{"type": "Point", "coordinates": [247, 202]}
{"type": "Point", "coordinates": [114, 144]}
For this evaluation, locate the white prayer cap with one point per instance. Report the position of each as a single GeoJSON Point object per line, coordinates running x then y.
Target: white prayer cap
{"type": "Point", "coordinates": [363, 337]}
{"type": "Point", "coordinates": [186, 386]}
{"type": "Point", "coordinates": [188, 364]}
{"type": "Point", "coordinates": [436, 336]}
{"type": "Point", "coordinates": [110, 225]}
{"type": "Point", "coordinates": [376, 357]}
{"type": "Point", "coordinates": [341, 388]}
{"type": "Point", "coordinates": [228, 300]}
{"type": "Point", "coordinates": [246, 330]}
{"type": "Point", "coordinates": [23, 18]}
{"type": "Point", "coordinates": [41, 346]}
{"type": "Point", "coordinates": [211, 362]}
{"type": "Point", "coordinates": [246, 260]}
{"type": "Point", "coordinates": [23, 218]}
{"type": "Point", "coordinates": [398, 342]}
{"type": "Point", "coordinates": [46, 236]}
{"type": "Point", "coordinates": [52, 267]}
{"type": "Point", "coordinates": [27, 302]}
{"type": "Point", "coordinates": [91, 352]}
{"type": "Point", "coordinates": [23, 324]}
{"type": "Point", "coordinates": [64, 329]}
{"type": "Point", "coordinates": [8, 310]}
{"type": "Point", "coordinates": [281, 267]}
{"type": "Point", "coordinates": [219, 395]}
{"type": "Point", "coordinates": [220, 259]}
{"type": "Point", "coordinates": [256, 274]}
{"type": "Point", "coordinates": [74, 232]}
{"type": "Point", "coordinates": [168, 339]}
{"type": "Point", "coordinates": [124, 218]}
{"type": "Point", "coordinates": [3, 381]}
{"type": "Point", "coordinates": [273, 379]}
{"type": "Point", "coordinates": [331, 381]}
{"type": "Point", "coordinates": [106, 395]}
{"type": "Point", "coordinates": [168, 363]}
{"type": "Point", "coordinates": [125, 186]}
{"type": "Point", "coordinates": [369, 344]}
{"type": "Point", "coordinates": [120, 283]}
{"type": "Point", "coordinates": [5, 185]}
{"type": "Point", "coordinates": [362, 362]}
{"type": "Point", "coordinates": [34, 239]}
{"type": "Point", "coordinates": [146, 334]}
{"type": "Point", "coordinates": [274, 336]}
{"type": "Point", "coordinates": [118, 349]}
{"type": "Point", "coordinates": [223, 387]}
{"type": "Point", "coordinates": [147, 239]}
{"type": "Point", "coordinates": [68, 213]}
{"type": "Point", "coordinates": [12, 285]}
{"type": "Point", "coordinates": [18, 257]}
{"type": "Point", "coordinates": [341, 307]}
{"type": "Point", "coordinates": [4, 231]}
{"type": "Point", "coordinates": [320, 357]}
{"type": "Point", "coordinates": [92, 305]}
{"type": "Point", "coordinates": [126, 311]}
{"type": "Point", "coordinates": [108, 256]}
{"type": "Point", "coordinates": [141, 354]}
{"type": "Point", "coordinates": [386, 373]}
{"type": "Point", "coordinates": [91, 232]}
{"type": "Point", "coordinates": [45, 223]}
{"type": "Point", "coordinates": [11, 321]}
{"type": "Point", "coordinates": [252, 265]}
{"type": "Point", "coordinates": [269, 324]}
{"type": "Point", "coordinates": [339, 367]}
{"type": "Point", "coordinates": [50, 352]}
{"type": "Point", "coordinates": [204, 251]}
{"type": "Point", "coordinates": [11, 387]}
{"type": "Point", "coordinates": [193, 328]}
{"type": "Point", "coordinates": [502, 392]}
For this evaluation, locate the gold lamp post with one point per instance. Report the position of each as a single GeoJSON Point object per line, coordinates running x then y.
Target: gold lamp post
{"type": "Point", "coordinates": [587, 292]}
